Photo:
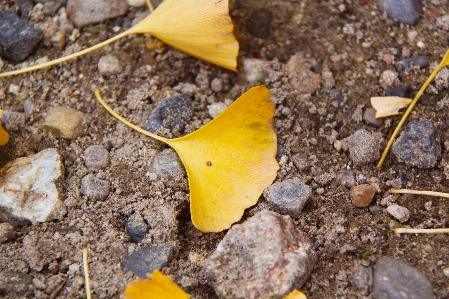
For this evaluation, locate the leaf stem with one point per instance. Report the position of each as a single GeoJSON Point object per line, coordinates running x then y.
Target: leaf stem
{"type": "Point", "coordinates": [403, 230]}
{"type": "Point", "coordinates": [408, 191]}
{"type": "Point", "coordinates": [86, 273]}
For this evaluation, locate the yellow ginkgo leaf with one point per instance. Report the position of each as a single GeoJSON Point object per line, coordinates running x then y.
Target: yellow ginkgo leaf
{"type": "Point", "coordinates": [295, 294]}
{"type": "Point", "coordinates": [388, 106]}
{"type": "Point", "coordinates": [4, 136]}
{"type": "Point", "coordinates": [201, 28]}
{"type": "Point", "coordinates": [229, 161]}
{"type": "Point", "coordinates": [158, 286]}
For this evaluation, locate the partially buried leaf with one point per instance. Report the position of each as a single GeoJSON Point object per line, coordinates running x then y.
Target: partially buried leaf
{"type": "Point", "coordinates": [229, 161]}
{"type": "Point", "coordinates": [4, 136]}
{"type": "Point", "coordinates": [158, 286]}
{"type": "Point", "coordinates": [295, 294]}
{"type": "Point", "coordinates": [388, 106]}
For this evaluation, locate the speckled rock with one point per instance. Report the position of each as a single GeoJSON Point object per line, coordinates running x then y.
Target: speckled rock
{"type": "Point", "coordinates": [407, 64]}
{"type": "Point", "coordinates": [109, 65]}
{"type": "Point", "coordinates": [301, 78]}
{"type": "Point", "coordinates": [362, 195]}
{"type": "Point", "coordinates": [301, 161]}
{"type": "Point", "coordinates": [94, 188]}
{"type": "Point", "coordinates": [405, 11]}
{"type": "Point", "coordinates": [64, 122]}
{"type": "Point", "coordinates": [12, 121]}
{"type": "Point", "coordinates": [167, 164]}
{"type": "Point", "coordinates": [346, 178]}
{"type": "Point", "coordinates": [266, 256]}
{"type": "Point", "coordinates": [14, 283]}
{"type": "Point", "coordinates": [172, 113]}
{"type": "Point", "coordinates": [364, 147]}
{"type": "Point", "coordinates": [17, 38]}
{"type": "Point", "coordinates": [85, 12]}
{"type": "Point", "coordinates": [148, 259]}
{"type": "Point", "coordinates": [288, 197]}
{"type": "Point", "coordinates": [96, 157]}
{"type": "Point", "coordinates": [395, 279]}
{"type": "Point", "coordinates": [31, 187]}
{"type": "Point", "coordinates": [418, 145]}
{"type": "Point", "coordinates": [259, 23]}
{"type": "Point", "coordinates": [136, 227]}
{"type": "Point", "coordinates": [400, 213]}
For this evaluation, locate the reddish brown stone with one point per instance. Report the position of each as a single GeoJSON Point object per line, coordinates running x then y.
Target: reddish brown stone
{"type": "Point", "coordinates": [362, 195]}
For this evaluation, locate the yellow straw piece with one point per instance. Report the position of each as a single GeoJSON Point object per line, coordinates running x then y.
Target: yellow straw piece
{"type": "Point", "coordinates": [403, 230]}
{"type": "Point", "coordinates": [408, 191]}
{"type": "Point", "coordinates": [86, 274]}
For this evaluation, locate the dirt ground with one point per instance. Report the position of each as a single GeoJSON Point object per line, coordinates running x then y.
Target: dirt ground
{"type": "Point", "coordinates": [346, 238]}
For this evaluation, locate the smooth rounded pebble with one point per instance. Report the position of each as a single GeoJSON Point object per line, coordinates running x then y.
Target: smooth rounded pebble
{"type": "Point", "coordinates": [362, 195]}
{"type": "Point", "coordinates": [400, 213]}
{"type": "Point", "coordinates": [364, 147]}
{"type": "Point", "coordinates": [405, 11]}
{"type": "Point", "coordinates": [300, 75]}
{"type": "Point", "coordinates": [96, 157]}
{"type": "Point", "coordinates": [94, 188]}
{"type": "Point", "coordinates": [109, 65]}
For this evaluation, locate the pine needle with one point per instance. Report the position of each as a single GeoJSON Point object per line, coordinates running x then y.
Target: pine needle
{"type": "Point", "coordinates": [403, 230]}
{"type": "Point", "coordinates": [86, 273]}
{"type": "Point", "coordinates": [408, 191]}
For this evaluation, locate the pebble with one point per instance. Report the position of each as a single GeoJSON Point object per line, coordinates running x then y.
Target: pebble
{"type": "Point", "coordinates": [369, 116]}
{"type": "Point", "coordinates": [362, 195]}
{"type": "Point", "coordinates": [402, 91]}
{"type": "Point", "coordinates": [14, 283]}
{"type": "Point", "coordinates": [375, 210]}
{"type": "Point", "coordinates": [217, 85]}
{"type": "Point", "coordinates": [64, 122]}
{"type": "Point", "coordinates": [172, 113]}
{"type": "Point", "coordinates": [50, 7]}
{"type": "Point", "coordinates": [12, 121]}
{"type": "Point", "coordinates": [96, 157]}
{"type": "Point", "coordinates": [167, 164]}
{"type": "Point", "coordinates": [215, 109]}
{"type": "Point", "coordinates": [346, 178]}
{"type": "Point", "coordinates": [259, 23]}
{"type": "Point", "coordinates": [397, 279]}
{"type": "Point", "coordinates": [407, 64]}
{"type": "Point", "coordinates": [109, 65]}
{"type": "Point", "coordinates": [301, 162]}
{"type": "Point", "coordinates": [17, 37]}
{"type": "Point", "coordinates": [7, 232]}
{"type": "Point", "coordinates": [336, 94]}
{"type": "Point", "coordinates": [94, 188]}
{"type": "Point", "coordinates": [30, 187]}
{"type": "Point", "coordinates": [266, 256]}
{"type": "Point", "coordinates": [148, 259]}
{"type": "Point", "coordinates": [388, 78]}
{"type": "Point", "coordinates": [405, 11]}
{"type": "Point", "coordinates": [25, 6]}
{"type": "Point", "coordinates": [301, 78]}
{"type": "Point", "coordinates": [400, 213]}
{"type": "Point", "coordinates": [85, 12]}
{"type": "Point", "coordinates": [288, 197]}
{"type": "Point", "coordinates": [254, 69]}
{"type": "Point", "coordinates": [137, 228]}
{"type": "Point", "coordinates": [364, 147]}
{"type": "Point", "coordinates": [418, 145]}
{"type": "Point", "coordinates": [136, 3]}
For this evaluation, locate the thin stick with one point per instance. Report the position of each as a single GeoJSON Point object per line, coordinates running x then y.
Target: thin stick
{"type": "Point", "coordinates": [86, 273]}
{"type": "Point", "coordinates": [408, 191]}
{"type": "Point", "coordinates": [150, 5]}
{"type": "Point", "coordinates": [403, 230]}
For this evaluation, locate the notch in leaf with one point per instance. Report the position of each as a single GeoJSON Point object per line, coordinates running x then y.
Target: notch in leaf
{"type": "Point", "coordinates": [201, 28]}
{"type": "Point", "coordinates": [229, 161]}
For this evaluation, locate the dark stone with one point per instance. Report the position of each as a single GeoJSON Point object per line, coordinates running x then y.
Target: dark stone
{"type": "Point", "coordinates": [94, 188]}
{"type": "Point", "coordinates": [137, 228]}
{"type": "Point", "coordinates": [51, 6]}
{"type": "Point", "coordinates": [148, 259]}
{"type": "Point", "coordinates": [335, 94]}
{"type": "Point", "coordinates": [407, 64]}
{"type": "Point", "coordinates": [369, 116]}
{"type": "Point", "coordinates": [418, 145]}
{"type": "Point", "coordinates": [25, 6]}
{"type": "Point", "coordinates": [375, 210]}
{"type": "Point", "coordinates": [259, 23]}
{"type": "Point", "coordinates": [405, 11]}
{"type": "Point", "coordinates": [403, 92]}
{"type": "Point", "coordinates": [173, 113]}
{"type": "Point", "coordinates": [17, 38]}
{"type": "Point", "coordinates": [395, 279]}
{"type": "Point", "coordinates": [14, 282]}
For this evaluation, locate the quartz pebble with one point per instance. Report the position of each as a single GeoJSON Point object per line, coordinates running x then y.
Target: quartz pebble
{"type": "Point", "coordinates": [216, 85]}
{"type": "Point", "coordinates": [136, 3]}
{"type": "Point", "coordinates": [85, 12]}
{"type": "Point", "coordinates": [254, 69]}
{"type": "Point", "coordinates": [216, 108]}
{"type": "Point", "coordinates": [167, 164]}
{"type": "Point", "coordinates": [148, 259]}
{"type": "Point", "coordinates": [96, 157]}
{"type": "Point", "coordinates": [301, 78]}
{"type": "Point", "coordinates": [362, 195]}
{"type": "Point", "coordinates": [64, 122]}
{"type": "Point", "coordinates": [94, 188]}
{"type": "Point", "coordinates": [400, 213]}
{"type": "Point", "coordinates": [137, 228]}
{"type": "Point", "coordinates": [247, 262]}
{"type": "Point", "coordinates": [405, 11]}
{"type": "Point", "coordinates": [109, 65]}
{"type": "Point", "coordinates": [364, 147]}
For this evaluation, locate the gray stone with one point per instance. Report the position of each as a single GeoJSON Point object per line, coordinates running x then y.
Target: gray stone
{"type": "Point", "coordinates": [7, 232]}
{"type": "Point", "coordinates": [12, 121]}
{"type": "Point", "coordinates": [51, 6]}
{"type": "Point", "coordinates": [172, 113]}
{"type": "Point", "coordinates": [364, 147]}
{"type": "Point", "coordinates": [31, 187]}
{"type": "Point", "coordinates": [395, 279]}
{"type": "Point", "coordinates": [25, 6]}
{"type": "Point", "coordinates": [259, 23]}
{"type": "Point", "coordinates": [346, 178]}
{"type": "Point", "coordinates": [402, 91]}
{"type": "Point", "coordinates": [167, 164]}
{"type": "Point", "coordinates": [216, 85]}
{"type": "Point", "coordinates": [375, 210]}
{"type": "Point", "coordinates": [14, 282]}
{"type": "Point", "coordinates": [137, 228]}
{"type": "Point", "coordinates": [288, 197]}
{"type": "Point", "coordinates": [301, 162]}
{"type": "Point", "coordinates": [85, 12]}
{"type": "Point", "coordinates": [96, 157]}
{"type": "Point", "coordinates": [407, 64]}
{"type": "Point", "coordinates": [148, 259]}
{"type": "Point", "coordinates": [94, 188]}
{"type": "Point", "coordinates": [267, 256]}
{"type": "Point", "coordinates": [335, 94]}
{"type": "Point", "coordinates": [369, 116]}
{"type": "Point", "coordinates": [109, 65]}
{"type": "Point", "coordinates": [17, 38]}
{"type": "Point", "coordinates": [362, 277]}
{"type": "Point", "coordinates": [400, 213]}
{"type": "Point", "coordinates": [405, 11]}
{"type": "Point", "coordinates": [418, 145]}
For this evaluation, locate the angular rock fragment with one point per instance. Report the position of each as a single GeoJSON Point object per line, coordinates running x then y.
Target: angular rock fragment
{"type": "Point", "coordinates": [148, 259]}
{"type": "Point", "coordinates": [288, 197]}
{"type": "Point", "coordinates": [64, 122]}
{"type": "Point", "coordinates": [85, 12]}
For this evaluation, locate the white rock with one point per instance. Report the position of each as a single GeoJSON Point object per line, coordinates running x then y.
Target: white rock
{"type": "Point", "coordinates": [216, 108]}
{"type": "Point", "coordinates": [136, 3]}
{"type": "Point", "coordinates": [29, 188]}
{"type": "Point", "coordinates": [254, 69]}
{"type": "Point", "coordinates": [109, 65]}
{"type": "Point", "coordinates": [398, 212]}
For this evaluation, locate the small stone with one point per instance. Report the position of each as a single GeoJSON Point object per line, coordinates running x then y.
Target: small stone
{"type": "Point", "coordinates": [216, 85]}
{"type": "Point", "coordinates": [12, 121]}
{"type": "Point", "coordinates": [407, 64]}
{"type": "Point", "coordinates": [405, 11]}
{"type": "Point", "coordinates": [136, 3]}
{"type": "Point", "coordinates": [375, 210]}
{"type": "Point", "coordinates": [85, 12]}
{"type": "Point", "coordinates": [96, 157]}
{"type": "Point", "coordinates": [397, 279]}
{"type": "Point", "coordinates": [402, 91]}
{"type": "Point", "coordinates": [94, 188]}
{"type": "Point", "coordinates": [216, 108]}
{"type": "Point", "coordinates": [369, 116]}
{"type": "Point", "coordinates": [418, 145]}
{"type": "Point", "coordinates": [109, 65]}
{"type": "Point", "coordinates": [301, 162]}
{"type": "Point", "coordinates": [400, 213]}
{"type": "Point", "coordinates": [254, 69]}
{"type": "Point", "coordinates": [267, 256]}
{"type": "Point", "coordinates": [64, 122]}
{"type": "Point", "coordinates": [388, 78]}
{"type": "Point", "coordinates": [301, 78]}
{"type": "Point", "coordinates": [25, 6]}
{"type": "Point", "coordinates": [288, 197]}
{"type": "Point", "coordinates": [446, 272]}
{"type": "Point", "coordinates": [51, 6]}
{"type": "Point", "coordinates": [28, 107]}
{"type": "Point", "coordinates": [137, 228]}
{"type": "Point", "coordinates": [364, 147]}
{"type": "Point", "coordinates": [17, 38]}
{"type": "Point", "coordinates": [172, 113]}
{"type": "Point", "coordinates": [346, 178]}
{"type": "Point", "coordinates": [148, 259]}
{"type": "Point", "coordinates": [259, 23]}
{"type": "Point", "coordinates": [7, 232]}
{"type": "Point", "coordinates": [31, 187]}
{"type": "Point", "coordinates": [362, 195]}
{"type": "Point", "coordinates": [167, 164]}
{"type": "Point", "coordinates": [14, 283]}
{"type": "Point", "coordinates": [362, 277]}
{"type": "Point", "coordinates": [335, 94]}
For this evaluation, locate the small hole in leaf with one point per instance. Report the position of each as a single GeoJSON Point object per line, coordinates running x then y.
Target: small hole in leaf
{"type": "Point", "coordinates": [209, 163]}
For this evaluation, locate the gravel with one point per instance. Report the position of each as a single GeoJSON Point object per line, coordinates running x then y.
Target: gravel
{"type": "Point", "coordinates": [94, 188]}
{"type": "Point", "coordinates": [405, 11]}
{"type": "Point", "coordinates": [85, 12]}
{"type": "Point", "coordinates": [147, 259]}
{"type": "Point", "coordinates": [364, 147]}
